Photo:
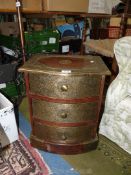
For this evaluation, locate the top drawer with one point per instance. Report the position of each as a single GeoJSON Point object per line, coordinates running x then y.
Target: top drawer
{"type": "Point", "coordinates": [65, 87]}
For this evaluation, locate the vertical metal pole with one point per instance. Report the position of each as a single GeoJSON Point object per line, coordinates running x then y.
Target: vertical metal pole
{"type": "Point", "coordinates": [18, 7]}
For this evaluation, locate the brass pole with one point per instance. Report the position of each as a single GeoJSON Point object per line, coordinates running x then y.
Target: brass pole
{"type": "Point", "coordinates": [18, 7]}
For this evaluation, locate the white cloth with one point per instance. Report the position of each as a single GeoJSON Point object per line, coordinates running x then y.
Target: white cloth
{"type": "Point", "coordinates": [116, 119]}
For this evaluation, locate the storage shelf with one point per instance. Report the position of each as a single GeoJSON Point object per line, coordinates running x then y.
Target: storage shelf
{"type": "Point", "coordinates": [90, 15]}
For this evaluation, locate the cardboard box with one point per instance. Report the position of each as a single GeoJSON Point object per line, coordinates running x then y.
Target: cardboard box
{"type": "Point", "coordinates": [32, 5]}
{"type": "Point", "coordinates": [9, 28]}
{"type": "Point", "coordinates": [100, 6]}
{"type": "Point", "coordinates": [28, 5]}
{"type": "Point", "coordinates": [115, 21]}
{"type": "Point", "coordinates": [66, 5]}
{"type": "Point", "coordinates": [8, 127]}
{"type": "Point", "coordinates": [58, 20]}
{"type": "Point", "coordinates": [8, 5]}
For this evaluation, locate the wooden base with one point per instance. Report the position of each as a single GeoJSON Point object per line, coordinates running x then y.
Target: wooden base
{"type": "Point", "coordinates": [66, 149]}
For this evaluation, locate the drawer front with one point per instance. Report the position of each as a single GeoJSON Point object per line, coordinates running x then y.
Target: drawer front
{"type": "Point", "coordinates": [65, 87]}
{"type": "Point", "coordinates": [63, 134]}
{"type": "Point", "coordinates": [60, 112]}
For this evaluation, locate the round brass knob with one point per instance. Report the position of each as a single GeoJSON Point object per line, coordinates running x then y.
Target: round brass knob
{"type": "Point", "coordinates": [63, 115]}
{"type": "Point", "coordinates": [64, 137]}
{"type": "Point", "coordinates": [64, 88]}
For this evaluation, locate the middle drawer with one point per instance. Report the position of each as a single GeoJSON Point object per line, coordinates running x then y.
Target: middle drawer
{"type": "Point", "coordinates": [62, 112]}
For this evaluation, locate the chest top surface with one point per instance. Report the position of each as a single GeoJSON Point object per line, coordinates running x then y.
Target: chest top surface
{"type": "Point", "coordinates": [59, 64]}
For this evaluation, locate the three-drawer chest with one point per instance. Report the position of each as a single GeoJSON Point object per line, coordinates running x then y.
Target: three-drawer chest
{"type": "Point", "coordinates": [65, 95]}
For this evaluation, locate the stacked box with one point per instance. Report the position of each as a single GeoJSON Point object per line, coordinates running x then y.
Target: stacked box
{"type": "Point", "coordinates": [46, 41]}
{"type": "Point", "coordinates": [8, 127]}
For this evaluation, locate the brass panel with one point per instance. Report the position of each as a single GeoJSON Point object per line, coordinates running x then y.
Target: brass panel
{"type": "Point", "coordinates": [60, 112]}
{"type": "Point", "coordinates": [65, 87]}
{"type": "Point", "coordinates": [77, 64]}
{"type": "Point", "coordinates": [63, 134]}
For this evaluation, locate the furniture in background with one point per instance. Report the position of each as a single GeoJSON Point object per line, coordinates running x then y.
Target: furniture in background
{"type": "Point", "coordinates": [104, 47]}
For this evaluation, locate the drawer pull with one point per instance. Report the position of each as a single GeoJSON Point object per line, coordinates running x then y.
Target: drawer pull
{"type": "Point", "coordinates": [64, 88]}
{"type": "Point", "coordinates": [64, 137]}
{"type": "Point", "coordinates": [63, 115]}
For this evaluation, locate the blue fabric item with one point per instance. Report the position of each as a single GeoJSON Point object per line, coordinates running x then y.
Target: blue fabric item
{"type": "Point", "coordinates": [71, 30]}
{"type": "Point", "coordinates": [55, 162]}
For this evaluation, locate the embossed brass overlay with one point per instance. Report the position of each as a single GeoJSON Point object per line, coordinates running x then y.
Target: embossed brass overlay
{"type": "Point", "coordinates": [62, 112]}
{"type": "Point", "coordinates": [63, 134]}
{"type": "Point", "coordinates": [65, 87]}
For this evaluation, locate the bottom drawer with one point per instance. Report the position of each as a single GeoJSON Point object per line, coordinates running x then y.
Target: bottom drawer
{"type": "Point", "coordinates": [64, 134]}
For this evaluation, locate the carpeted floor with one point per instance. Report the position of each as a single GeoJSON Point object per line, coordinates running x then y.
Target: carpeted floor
{"type": "Point", "coordinates": [19, 158]}
{"type": "Point", "coordinates": [56, 163]}
{"type": "Point", "coordinates": [107, 159]}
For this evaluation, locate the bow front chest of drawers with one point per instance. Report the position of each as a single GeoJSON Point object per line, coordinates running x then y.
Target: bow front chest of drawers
{"type": "Point", "coordinates": [65, 95]}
